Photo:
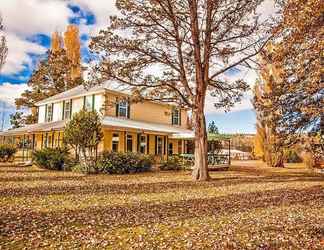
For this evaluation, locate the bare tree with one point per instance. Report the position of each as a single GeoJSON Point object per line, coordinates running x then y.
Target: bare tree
{"type": "Point", "coordinates": [3, 46]}
{"type": "Point", "coordinates": [179, 51]}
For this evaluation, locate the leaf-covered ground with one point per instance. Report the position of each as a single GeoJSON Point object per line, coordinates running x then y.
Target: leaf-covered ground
{"type": "Point", "coordinates": [247, 207]}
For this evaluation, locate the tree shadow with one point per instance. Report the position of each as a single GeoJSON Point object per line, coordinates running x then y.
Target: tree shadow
{"type": "Point", "coordinates": [90, 186]}
{"type": "Point", "coordinates": [24, 222]}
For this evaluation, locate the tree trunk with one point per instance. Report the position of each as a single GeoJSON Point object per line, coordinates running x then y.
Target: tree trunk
{"type": "Point", "coordinates": [200, 171]}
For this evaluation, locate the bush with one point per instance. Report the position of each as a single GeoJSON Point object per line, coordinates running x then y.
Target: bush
{"type": "Point", "coordinates": [174, 163]}
{"type": "Point", "coordinates": [291, 156]}
{"type": "Point", "coordinates": [7, 152]}
{"type": "Point", "coordinates": [123, 163]}
{"type": "Point", "coordinates": [52, 158]}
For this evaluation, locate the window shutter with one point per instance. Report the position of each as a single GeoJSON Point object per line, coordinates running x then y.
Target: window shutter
{"type": "Point", "coordinates": [164, 145]}
{"type": "Point", "coordinates": [172, 116]}
{"type": "Point", "coordinates": [70, 108]}
{"type": "Point", "coordinates": [138, 142]}
{"type": "Point", "coordinates": [117, 107]}
{"type": "Point", "coordinates": [128, 110]}
{"type": "Point", "coordinates": [63, 110]}
{"type": "Point", "coordinates": [46, 113]}
{"type": "Point", "coordinates": [156, 145]}
{"type": "Point", "coordinates": [148, 143]}
{"type": "Point", "coordinates": [93, 102]}
{"type": "Point", "coordinates": [42, 141]}
{"type": "Point", "coordinates": [52, 112]}
{"type": "Point", "coordinates": [84, 102]}
{"type": "Point", "coordinates": [179, 116]}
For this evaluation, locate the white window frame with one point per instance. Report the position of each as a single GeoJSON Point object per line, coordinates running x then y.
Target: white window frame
{"type": "Point", "coordinates": [49, 115]}
{"type": "Point", "coordinates": [67, 109]}
{"type": "Point", "coordinates": [123, 106]}
{"type": "Point", "coordinates": [88, 105]}
{"type": "Point", "coordinates": [176, 113]}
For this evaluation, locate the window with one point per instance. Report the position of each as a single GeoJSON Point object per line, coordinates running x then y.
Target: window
{"type": "Point", "coordinates": [129, 144]}
{"type": "Point", "coordinates": [67, 109]}
{"type": "Point", "coordinates": [142, 146]}
{"type": "Point", "coordinates": [89, 103]}
{"type": "Point", "coordinates": [115, 142]}
{"type": "Point", "coordinates": [49, 113]}
{"type": "Point", "coordinates": [170, 149]}
{"type": "Point", "coordinates": [176, 117]}
{"type": "Point", "coordinates": [123, 109]}
{"type": "Point", "coordinates": [159, 146]}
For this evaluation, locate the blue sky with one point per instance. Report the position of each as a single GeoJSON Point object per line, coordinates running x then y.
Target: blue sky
{"type": "Point", "coordinates": [28, 30]}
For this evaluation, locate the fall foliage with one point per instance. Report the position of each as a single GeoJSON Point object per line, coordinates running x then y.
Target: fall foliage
{"type": "Point", "coordinates": [295, 105]}
{"type": "Point", "coordinates": [192, 44]}
{"type": "Point", "coordinates": [248, 206]}
{"type": "Point", "coordinates": [56, 73]}
{"type": "Point", "coordinates": [72, 46]}
{"type": "Point", "coordinates": [264, 100]}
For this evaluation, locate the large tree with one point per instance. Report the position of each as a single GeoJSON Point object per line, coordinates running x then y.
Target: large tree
{"type": "Point", "coordinates": [178, 52]}
{"type": "Point", "coordinates": [3, 46]}
{"type": "Point", "coordinates": [267, 118]}
{"type": "Point", "coordinates": [298, 53]}
{"type": "Point", "coordinates": [52, 76]}
{"type": "Point", "coordinates": [58, 72]}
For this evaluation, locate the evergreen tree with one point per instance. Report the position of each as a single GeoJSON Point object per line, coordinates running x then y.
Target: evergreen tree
{"type": "Point", "coordinates": [212, 128]}
{"type": "Point", "coordinates": [17, 120]}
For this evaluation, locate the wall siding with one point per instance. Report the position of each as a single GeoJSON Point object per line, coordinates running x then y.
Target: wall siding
{"type": "Point", "coordinates": [41, 114]}
{"type": "Point", "coordinates": [57, 111]}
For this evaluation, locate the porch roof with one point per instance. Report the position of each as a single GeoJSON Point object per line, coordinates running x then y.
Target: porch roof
{"type": "Point", "coordinates": [38, 127]}
{"type": "Point", "coordinates": [108, 121]}
{"type": "Point", "coordinates": [115, 122]}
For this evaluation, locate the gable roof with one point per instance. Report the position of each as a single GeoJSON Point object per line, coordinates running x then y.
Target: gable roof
{"type": "Point", "coordinates": [78, 91]}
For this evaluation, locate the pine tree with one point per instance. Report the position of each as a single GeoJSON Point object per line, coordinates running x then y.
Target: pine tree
{"type": "Point", "coordinates": [212, 128]}
{"type": "Point", "coordinates": [300, 93]}
{"type": "Point", "coordinates": [55, 74]}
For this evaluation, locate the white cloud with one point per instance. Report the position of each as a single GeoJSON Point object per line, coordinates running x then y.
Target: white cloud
{"type": "Point", "coordinates": [102, 9]}
{"type": "Point", "coordinates": [29, 17]}
{"type": "Point", "coordinates": [249, 76]}
{"type": "Point", "coordinates": [18, 53]}
{"type": "Point", "coordinates": [9, 92]}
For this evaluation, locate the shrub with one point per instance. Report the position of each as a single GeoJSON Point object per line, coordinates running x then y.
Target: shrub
{"type": "Point", "coordinates": [123, 163]}
{"type": "Point", "coordinates": [291, 156]}
{"type": "Point", "coordinates": [52, 158]}
{"type": "Point", "coordinates": [174, 163]}
{"type": "Point", "coordinates": [7, 152]}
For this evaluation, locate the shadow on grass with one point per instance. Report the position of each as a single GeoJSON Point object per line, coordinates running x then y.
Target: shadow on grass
{"type": "Point", "coordinates": [88, 185]}
{"type": "Point", "coordinates": [24, 222]}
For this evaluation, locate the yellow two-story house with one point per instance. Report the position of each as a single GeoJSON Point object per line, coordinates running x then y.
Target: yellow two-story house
{"type": "Point", "coordinates": [146, 127]}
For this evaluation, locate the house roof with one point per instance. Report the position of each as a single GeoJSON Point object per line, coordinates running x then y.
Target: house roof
{"type": "Point", "coordinates": [78, 91]}
{"type": "Point", "coordinates": [144, 126]}
{"type": "Point", "coordinates": [107, 121]}
{"type": "Point", "coordinates": [81, 91]}
{"type": "Point", "coordinates": [38, 127]}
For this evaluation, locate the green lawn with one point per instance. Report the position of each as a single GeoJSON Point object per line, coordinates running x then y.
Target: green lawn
{"type": "Point", "coordinates": [248, 207]}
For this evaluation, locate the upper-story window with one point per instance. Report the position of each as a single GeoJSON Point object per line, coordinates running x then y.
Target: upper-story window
{"type": "Point", "coordinates": [176, 119]}
{"type": "Point", "coordinates": [123, 109]}
{"type": "Point", "coordinates": [49, 113]}
{"type": "Point", "coordinates": [89, 103]}
{"type": "Point", "coordinates": [67, 109]}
